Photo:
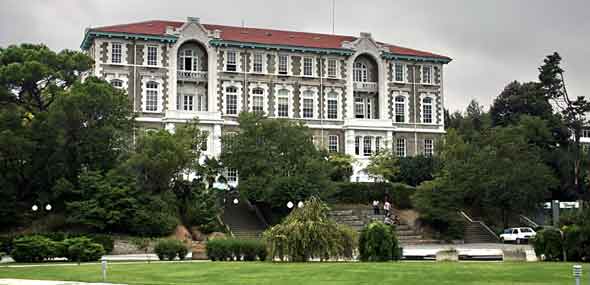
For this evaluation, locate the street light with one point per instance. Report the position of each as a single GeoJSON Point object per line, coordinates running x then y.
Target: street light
{"type": "Point", "coordinates": [236, 201]}
{"type": "Point", "coordinates": [300, 204]}
{"type": "Point", "coordinates": [35, 208]}
{"type": "Point", "coordinates": [290, 205]}
{"type": "Point", "coordinates": [48, 207]}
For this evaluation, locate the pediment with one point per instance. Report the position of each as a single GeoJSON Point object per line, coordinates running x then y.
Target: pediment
{"type": "Point", "coordinates": [364, 43]}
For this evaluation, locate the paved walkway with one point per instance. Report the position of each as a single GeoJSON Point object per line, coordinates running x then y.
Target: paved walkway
{"type": "Point", "coordinates": [45, 282]}
{"type": "Point", "coordinates": [471, 249]}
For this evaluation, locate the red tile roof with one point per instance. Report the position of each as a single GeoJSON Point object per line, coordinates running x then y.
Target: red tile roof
{"type": "Point", "coordinates": [260, 36]}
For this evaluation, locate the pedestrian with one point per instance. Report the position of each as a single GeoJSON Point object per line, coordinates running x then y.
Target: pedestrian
{"type": "Point", "coordinates": [375, 207]}
{"type": "Point", "coordinates": [388, 220]}
{"type": "Point", "coordinates": [386, 207]}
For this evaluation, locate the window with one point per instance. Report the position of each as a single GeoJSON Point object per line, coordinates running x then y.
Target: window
{"type": "Point", "coordinates": [359, 108]}
{"type": "Point", "coordinates": [360, 72]}
{"type": "Point", "coordinates": [307, 66]}
{"type": "Point", "coordinates": [152, 55]}
{"type": "Point", "coordinates": [585, 132]}
{"type": "Point", "coordinates": [368, 100]}
{"type": "Point", "coordinates": [227, 142]}
{"type": "Point", "coordinates": [399, 72]}
{"type": "Point", "coordinates": [257, 62]}
{"type": "Point", "coordinates": [307, 108]}
{"type": "Point", "coordinates": [378, 144]}
{"type": "Point", "coordinates": [117, 83]}
{"type": "Point", "coordinates": [151, 98]}
{"type": "Point", "coordinates": [357, 145]}
{"type": "Point", "coordinates": [332, 105]}
{"type": "Point", "coordinates": [116, 52]}
{"type": "Point", "coordinates": [428, 147]}
{"type": "Point", "coordinates": [231, 64]}
{"type": "Point", "coordinates": [367, 146]}
{"type": "Point", "coordinates": [258, 100]}
{"type": "Point", "coordinates": [283, 103]}
{"type": "Point", "coordinates": [427, 110]}
{"type": "Point", "coordinates": [188, 60]}
{"type": "Point", "coordinates": [332, 66]}
{"type": "Point", "coordinates": [400, 108]}
{"type": "Point", "coordinates": [283, 64]}
{"type": "Point", "coordinates": [205, 143]}
{"type": "Point", "coordinates": [427, 74]}
{"type": "Point", "coordinates": [400, 147]}
{"type": "Point", "coordinates": [333, 143]}
{"type": "Point", "coordinates": [187, 102]}
{"type": "Point", "coordinates": [232, 175]}
{"type": "Point", "coordinates": [202, 101]}
{"type": "Point", "coordinates": [231, 100]}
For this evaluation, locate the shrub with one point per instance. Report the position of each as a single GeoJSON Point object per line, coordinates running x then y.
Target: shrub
{"type": "Point", "coordinates": [169, 249]}
{"type": "Point", "coordinates": [82, 249]}
{"type": "Point", "coordinates": [230, 249]}
{"type": "Point", "coordinates": [548, 243]}
{"type": "Point", "coordinates": [348, 192]}
{"type": "Point", "coordinates": [378, 242]}
{"type": "Point", "coordinates": [107, 241]}
{"type": "Point", "coordinates": [349, 241]}
{"type": "Point", "coordinates": [34, 248]}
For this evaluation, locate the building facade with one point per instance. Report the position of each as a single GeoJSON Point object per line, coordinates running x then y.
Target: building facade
{"type": "Point", "coordinates": [357, 95]}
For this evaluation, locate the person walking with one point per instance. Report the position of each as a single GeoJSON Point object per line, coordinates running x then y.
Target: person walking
{"type": "Point", "coordinates": [386, 207]}
{"type": "Point", "coordinates": [375, 207]}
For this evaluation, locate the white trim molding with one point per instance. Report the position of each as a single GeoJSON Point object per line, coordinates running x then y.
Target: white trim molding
{"type": "Point", "coordinates": [338, 91]}
{"type": "Point", "coordinates": [315, 95]}
{"type": "Point", "coordinates": [123, 52]}
{"type": "Point", "coordinates": [325, 71]}
{"type": "Point", "coordinates": [262, 86]}
{"type": "Point", "coordinates": [158, 55]}
{"type": "Point", "coordinates": [264, 62]}
{"type": "Point", "coordinates": [432, 96]}
{"type": "Point", "coordinates": [406, 96]}
{"type": "Point", "coordinates": [289, 89]}
{"type": "Point", "coordinates": [238, 60]}
{"type": "Point", "coordinates": [144, 81]}
{"type": "Point", "coordinates": [239, 92]}
{"type": "Point", "coordinates": [124, 77]}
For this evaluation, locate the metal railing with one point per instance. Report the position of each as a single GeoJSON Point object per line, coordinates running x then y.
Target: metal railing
{"type": "Point", "coordinates": [526, 220]}
{"type": "Point", "coordinates": [191, 75]}
{"type": "Point", "coordinates": [365, 86]}
{"type": "Point", "coordinates": [481, 224]}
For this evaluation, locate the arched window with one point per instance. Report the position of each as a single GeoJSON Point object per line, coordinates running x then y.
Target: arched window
{"type": "Point", "coordinates": [188, 60]}
{"type": "Point", "coordinates": [308, 102]}
{"type": "Point", "coordinates": [427, 110]}
{"type": "Point", "coordinates": [117, 83]}
{"type": "Point", "coordinates": [231, 100]}
{"type": "Point", "coordinates": [400, 109]}
{"type": "Point", "coordinates": [258, 100]}
{"type": "Point", "coordinates": [360, 71]}
{"type": "Point", "coordinates": [151, 96]}
{"type": "Point", "coordinates": [283, 103]}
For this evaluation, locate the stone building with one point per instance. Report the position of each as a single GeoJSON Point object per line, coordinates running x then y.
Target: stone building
{"type": "Point", "coordinates": [356, 94]}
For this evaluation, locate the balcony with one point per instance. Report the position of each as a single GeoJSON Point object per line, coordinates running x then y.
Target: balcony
{"type": "Point", "coordinates": [366, 86]}
{"type": "Point", "coordinates": [187, 75]}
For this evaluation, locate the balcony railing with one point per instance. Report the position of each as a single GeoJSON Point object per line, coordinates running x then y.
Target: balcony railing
{"type": "Point", "coordinates": [191, 75]}
{"type": "Point", "coordinates": [366, 86]}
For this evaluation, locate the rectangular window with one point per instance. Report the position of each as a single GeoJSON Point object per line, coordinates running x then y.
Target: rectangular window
{"type": "Point", "coordinates": [152, 55]}
{"type": "Point", "coordinates": [333, 143]}
{"type": "Point", "coordinates": [400, 109]}
{"type": "Point", "coordinates": [187, 102]}
{"type": "Point", "coordinates": [116, 52]}
{"type": "Point", "coordinates": [400, 147]}
{"type": "Point", "coordinates": [367, 146]}
{"type": "Point", "coordinates": [427, 74]}
{"type": "Point", "coordinates": [258, 104]}
{"type": "Point", "coordinates": [378, 144]}
{"type": "Point", "coordinates": [257, 62]}
{"type": "Point", "coordinates": [586, 133]}
{"type": "Point", "coordinates": [232, 175]}
{"type": "Point", "coordinates": [308, 108]}
{"type": "Point", "coordinates": [283, 107]}
{"type": "Point", "coordinates": [283, 64]}
{"type": "Point", "coordinates": [204, 145]}
{"type": "Point", "coordinates": [307, 66]}
{"type": "Point", "coordinates": [428, 147]}
{"type": "Point", "coordinates": [231, 64]}
{"type": "Point", "coordinates": [231, 100]}
{"type": "Point", "coordinates": [359, 108]}
{"type": "Point", "coordinates": [332, 107]}
{"type": "Point", "coordinates": [369, 108]}
{"type": "Point", "coordinates": [399, 72]}
{"type": "Point", "coordinates": [332, 68]}
{"type": "Point", "coordinates": [357, 145]}
{"type": "Point", "coordinates": [151, 97]}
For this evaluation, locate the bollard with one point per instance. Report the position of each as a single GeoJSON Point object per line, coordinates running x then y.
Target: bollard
{"type": "Point", "coordinates": [577, 273]}
{"type": "Point", "coordinates": [104, 269]}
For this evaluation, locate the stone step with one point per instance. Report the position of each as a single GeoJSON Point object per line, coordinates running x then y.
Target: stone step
{"type": "Point", "coordinates": [419, 241]}
{"type": "Point", "coordinates": [409, 237]}
{"type": "Point", "coordinates": [346, 218]}
{"type": "Point", "coordinates": [340, 213]}
{"type": "Point", "coordinates": [405, 232]}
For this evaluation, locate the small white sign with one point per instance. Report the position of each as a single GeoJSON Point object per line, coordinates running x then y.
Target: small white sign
{"type": "Point", "coordinates": [569, 205]}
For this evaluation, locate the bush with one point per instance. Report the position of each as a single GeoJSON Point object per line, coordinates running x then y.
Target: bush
{"type": "Point", "coordinates": [365, 193]}
{"type": "Point", "coordinates": [548, 243]}
{"type": "Point", "coordinates": [378, 242]}
{"type": "Point", "coordinates": [230, 249]}
{"type": "Point", "coordinates": [169, 249]}
{"type": "Point", "coordinates": [34, 248]}
{"type": "Point", "coordinates": [107, 241]}
{"type": "Point", "coordinates": [82, 249]}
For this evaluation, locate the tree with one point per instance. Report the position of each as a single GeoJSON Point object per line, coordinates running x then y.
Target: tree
{"type": "Point", "coordinates": [341, 166]}
{"type": "Point", "coordinates": [276, 160]}
{"type": "Point", "coordinates": [384, 165]}
{"type": "Point", "coordinates": [33, 76]}
{"type": "Point", "coordinates": [520, 99]}
{"type": "Point", "coordinates": [414, 170]}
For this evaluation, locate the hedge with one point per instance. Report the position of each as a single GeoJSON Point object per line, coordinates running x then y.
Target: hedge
{"type": "Point", "coordinates": [236, 249]}
{"type": "Point", "coordinates": [38, 248]}
{"type": "Point", "coordinates": [107, 241]}
{"type": "Point", "coordinates": [548, 244]}
{"type": "Point", "coordinates": [365, 192]}
{"type": "Point", "coordinates": [378, 242]}
{"type": "Point", "coordinates": [169, 249]}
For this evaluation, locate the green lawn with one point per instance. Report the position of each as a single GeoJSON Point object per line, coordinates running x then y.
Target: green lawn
{"type": "Point", "coordinates": [308, 273]}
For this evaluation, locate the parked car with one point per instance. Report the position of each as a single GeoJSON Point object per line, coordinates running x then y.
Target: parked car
{"type": "Point", "coordinates": [517, 235]}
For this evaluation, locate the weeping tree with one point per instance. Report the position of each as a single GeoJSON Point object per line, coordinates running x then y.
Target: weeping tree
{"type": "Point", "coordinates": [308, 233]}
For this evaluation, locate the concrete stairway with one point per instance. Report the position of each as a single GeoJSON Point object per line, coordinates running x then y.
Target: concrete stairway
{"type": "Point", "coordinates": [477, 231]}
{"type": "Point", "coordinates": [358, 218]}
{"type": "Point", "coordinates": [242, 220]}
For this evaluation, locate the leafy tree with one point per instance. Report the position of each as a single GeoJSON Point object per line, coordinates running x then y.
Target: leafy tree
{"type": "Point", "coordinates": [416, 169]}
{"type": "Point", "coordinates": [341, 166]}
{"type": "Point", "coordinates": [520, 99]}
{"type": "Point", "coordinates": [384, 165]}
{"type": "Point", "coordinates": [33, 76]}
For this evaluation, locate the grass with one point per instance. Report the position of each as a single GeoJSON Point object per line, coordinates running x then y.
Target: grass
{"type": "Point", "coordinates": [306, 273]}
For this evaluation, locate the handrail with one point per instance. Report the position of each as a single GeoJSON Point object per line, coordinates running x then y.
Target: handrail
{"type": "Point", "coordinates": [481, 223]}
{"type": "Point", "coordinates": [528, 221]}
{"type": "Point", "coordinates": [220, 221]}
{"type": "Point", "coordinates": [258, 213]}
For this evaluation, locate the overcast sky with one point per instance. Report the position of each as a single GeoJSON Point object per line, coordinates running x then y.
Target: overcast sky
{"type": "Point", "coordinates": [491, 42]}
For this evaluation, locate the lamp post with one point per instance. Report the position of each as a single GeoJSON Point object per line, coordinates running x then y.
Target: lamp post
{"type": "Point", "coordinates": [290, 205]}
{"type": "Point", "coordinates": [577, 272]}
{"type": "Point", "coordinates": [300, 204]}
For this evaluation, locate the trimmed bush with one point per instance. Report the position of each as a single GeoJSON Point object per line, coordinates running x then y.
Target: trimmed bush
{"type": "Point", "coordinates": [378, 242]}
{"type": "Point", "coordinates": [365, 193]}
{"type": "Point", "coordinates": [548, 243]}
{"type": "Point", "coordinates": [169, 249]}
{"type": "Point", "coordinates": [236, 249]}
{"type": "Point", "coordinates": [82, 249]}
{"type": "Point", "coordinates": [34, 248]}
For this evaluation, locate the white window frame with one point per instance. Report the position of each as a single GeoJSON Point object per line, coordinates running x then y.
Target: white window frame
{"type": "Point", "coordinates": [226, 60]}
{"type": "Point", "coordinates": [428, 147]}
{"type": "Point", "coordinates": [328, 91]}
{"type": "Point", "coordinates": [308, 92]}
{"type": "Point", "coordinates": [117, 83]}
{"type": "Point", "coordinates": [146, 52]}
{"type": "Point", "coordinates": [397, 65]}
{"type": "Point", "coordinates": [357, 145]}
{"type": "Point", "coordinates": [262, 63]}
{"type": "Point", "coordinates": [303, 66]}
{"type": "Point", "coordinates": [123, 59]}
{"type": "Point", "coordinates": [152, 90]}
{"type": "Point", "coordinates": [333, 143]}
{"type": "Point", "coordinates": [195, 60]}
{"type": "Point", "coordinates": [378, 144]}
{"type": "Point", "coordinates": [430, 77]}
{"type": "Point", "coordinates": [434, 109]}
{"type": "Point", "coordinates": [360, 73]}
{"type": "Point", "coordinates": [232, 176]}
{"type": "Point", "coordinates": [406, 106]}
{"type": "Point", "coordinates": [336, 68]}
{"type": "Point", "coordinates": [585, 133]}
{"type": "Point", "coordinates": [400, 147]}
{"type": "Point", "coordinates": [264, 95]}
{"type": "Point", "coordinates": [289, 95]}
{"type": "Point", "coordinates": [367, 145]}
{"type": "Point", "coordinates": [238, 86]}
{"type": "Point", "coordinates": [123, 77]}
{"type": "Point", "coordinates": [363, 107]}
{"type": "Point", "coordinates": [144, 82]}
{"type": "Point", "coordinates": [287, 64]}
